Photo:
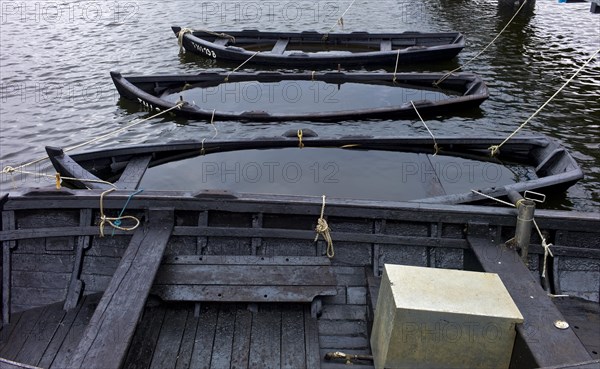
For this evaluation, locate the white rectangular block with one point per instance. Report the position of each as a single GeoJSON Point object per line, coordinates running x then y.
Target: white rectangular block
{"type": "Point", "coordinates": [442, 318]}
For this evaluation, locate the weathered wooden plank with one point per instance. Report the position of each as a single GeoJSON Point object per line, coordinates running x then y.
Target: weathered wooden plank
{"type": "Point", "coordinates": [21, 332]}
{"type": "Point", "coordinates": [311, 340]}
{"type": "Point", "coordinates": [344, 312]}
{"type": "Point", "coordinates": [69, 343]}
{"type": "Point", "coordinates": [221, 357]}
{"type": "Point", "coordinates": [246, 260]}
{"type": "Point", "coordinates": [205, 336]}
{"type": "Point", "coordinates": [144, 341]}
{"type": "Point", "coordinates": [184, 356]}
{"type": "Point", "coordinates": [107, 337]}
{"type": "Point", "coordinates": [257, 222]}
{"type": "Point", "coordinates": [341, 343]}
{"type": "Point", "coordinates": [386, 45]}
{"type": "Point", "coordinates": [75, 289]}
{"type": "Point", "coordinates": [39, 279]}
{"type": "Point", "coordinates": [547, 344]}
{"type": "Point", "coordinates": [241, 339]}
{"type": "Point", "coordinates": [342, 327]}
{"type": "Point", "coordinates": [37, 296]}
{"type": "Point", "coordinates": [584, 318]}
{"type": "Point", "coordinates": [42, 333]}
{"type": "Point", "coordinates": [280, 46]}
{"type": "Point", "coordinates": [61, 332]}
{"type": "Point", "coordinates": [293, 348]}
{"type": "Point", "coordinates": [8, 224]}
{"type": "Point", "coordinates": [133, 172]}
{"type": "Point", "coordinates": [256, 275]}
{"type": "Point", "coordinates": [265, 346]}
{"type": "Point", "coordinates": [169, 340]}
{"type": "Point", "coordinates": [7, 330]}
{"type": "Point", "coordinates": [229, 293]}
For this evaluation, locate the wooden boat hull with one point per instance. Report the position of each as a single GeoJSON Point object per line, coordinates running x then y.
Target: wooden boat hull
{"type": "Point", "coordinates": [249, 243]}
{"type": "Point", "coordinates": [470, 92]}
{"type": "Point", "coordinates": [374, 49]}
{"type": "Point", "coordinates": [555, 168]}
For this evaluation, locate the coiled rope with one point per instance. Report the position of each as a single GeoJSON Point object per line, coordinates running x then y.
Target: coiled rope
{"type": "Point", "coordinates": [494, 149]}
{"type": "Point", "coordinates": [483, 50]}
{"type": "Point", "coordinates": [183, 31]}
{"type": "Point", "coordinates": [115, 222]}
{"type": "Point", "coordinates": [323, 229]}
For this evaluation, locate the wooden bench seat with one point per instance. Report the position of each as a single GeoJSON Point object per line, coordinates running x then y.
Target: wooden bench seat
{"type": "Point", "coordinates": [280, 46]}
{"type": "Point", "coordinates": [244, 279]}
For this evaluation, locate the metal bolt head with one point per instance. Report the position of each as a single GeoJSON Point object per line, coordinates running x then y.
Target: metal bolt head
{"type": "Point", "coordinates": [561, 324]}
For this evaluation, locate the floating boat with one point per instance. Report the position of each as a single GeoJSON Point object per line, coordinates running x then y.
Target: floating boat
{"type": "Point", "coordinates": [272, 96]}
{"type": "Point", "coordinates": [216, 280]}
{"type": "Point", "coordinates": [401, 168]}
{"type": "Point", "coordinates": [324, 50]}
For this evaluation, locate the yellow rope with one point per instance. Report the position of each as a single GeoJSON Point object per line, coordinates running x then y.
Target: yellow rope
{"type": "Point", "coordinates": [494, 149]}
{"type": "Point", "coordinates": [300, 143]}
{"type": "Point", "coordinates": [483, 50]}
{"type": "Point", "coordinates": [323, 230]}
{"type": "Point", "coordinates": [104, 219]}
{"type": "Point", "coordinates": [435, 145]}
{"type": "Point", "coordinates": [57, 177]}
{"type": "Point", "coordinates": [9, 169]}
{"type": "Point", "coordinates": [239, 66]}
{"type": "Point", "coordinates": [182, 32]}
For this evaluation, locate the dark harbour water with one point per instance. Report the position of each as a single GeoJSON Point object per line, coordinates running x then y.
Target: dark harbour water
{"type": "Point", "coordinates": [55, 58]}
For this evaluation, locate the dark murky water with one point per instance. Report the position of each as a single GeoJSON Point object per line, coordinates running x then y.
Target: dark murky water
{"type": "Point", "coordinates": [55, 58]}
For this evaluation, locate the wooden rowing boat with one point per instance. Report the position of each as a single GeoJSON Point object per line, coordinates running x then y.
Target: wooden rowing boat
{"type": "Point", "coordinates": [313, 49]}
{"type": "Point", "coordinates": [272, 96]}
{"type": "Point", "coordinates": [401, 168]}
{"type": "Point", "coordinates": [217, 280]}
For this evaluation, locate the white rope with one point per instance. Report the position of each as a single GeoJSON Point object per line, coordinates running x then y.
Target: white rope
{"type": "Point", "coordinates": [340, 20]}
{"type": "Point", "coordinates": [114, 222]}
{"type": "Point", "coordinates": [435, 145]}
{"type": "Point", "coordinates": [545, 245]}
{"type": "Point", "coordinates": [396, 67]}
{"type": "Point", "coordinates": [484, 49]}
{"type": "Point", "coordinates": [9, 169]}
{"type": "Point", "coordinates": [495, 148]}
{"type": "Point", "coordinates": [239, 66]}
{"type": "Point", "coordinates": [202, 152]}
{"type": "Point", "coordinates": [180, 35]}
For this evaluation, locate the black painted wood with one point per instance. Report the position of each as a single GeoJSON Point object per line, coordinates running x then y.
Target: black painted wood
{"type": "Point", "coordinates": [133, 173]}
{"type": "Point", "coordinates": [311, 340]}
{"type": "Point", "coordinates": [547, 344]}
{"type": "Point", "coordinates": [222, 347]}
{"type": "Point", "coordinates": [584, 318]}
{"type": "Point", "coordinates": [293, 347]}
{"type": "Point", "coordinates": [265, 347]}
{"type": "Point", "coordinates": [205, 336]}
{"type": "Point", "coordinates": [107, 337]}
{"type": "Point", "coordinates": [241, 340]}
{"type": "Point", "coordinates": [8, 224]}
{"type": "Point", "coordinates": [184, 355]}
{"type": "Point", "coordinates": [144, 341]}
{"type": "Point", "coordinates": [41, 335]}
{"type": "Point", "coordinates": [75, 289]}
{"type": "Point", "coordinates": [169, 340]}
{"type": "Point", "coordinates": [21, 332]}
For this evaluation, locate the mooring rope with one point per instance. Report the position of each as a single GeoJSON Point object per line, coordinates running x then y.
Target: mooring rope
{"type": "Point", "coordinates": [11, 170]}
{"type": "Point", "coordinates": [483, 50]}
{"type": "Point", "coordinates": [396, 67]}
{"type": "Point", "coordinates": [239, 66]}
{"type": "Point", "coordinates": [494, 149]}
{"type": "Point", "coordinates": [545, 245]}
{"type": "Point", "coordinates": [324, 230]}
{"type": "Point", "coordinates": [183, 31]}
{"type": "Point", "coordinates": [300, 134]}
{"type": "Point", "coordinates": [212, 123]}
{"type": "Point", "coordinates": [115, 222]}
{"type": "Point", "coordinates": [435, 145]}
{"type": "Point", "coordinates": [339, 21]}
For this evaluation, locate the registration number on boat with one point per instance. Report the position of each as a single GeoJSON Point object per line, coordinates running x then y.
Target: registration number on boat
{"type": "Point", "coordinates": [204, 50]}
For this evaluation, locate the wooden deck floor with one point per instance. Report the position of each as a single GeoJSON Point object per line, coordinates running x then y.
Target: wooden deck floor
{"type": "Point", "coordinates": [222, 336]}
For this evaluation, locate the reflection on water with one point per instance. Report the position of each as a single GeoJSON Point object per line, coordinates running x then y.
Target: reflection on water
{"type": "Point", "coordinates": [300, 97]}
{"type": "Point", "coordinates": [55, 86]}
{"type": "Point", "coordinates": [360, 174]}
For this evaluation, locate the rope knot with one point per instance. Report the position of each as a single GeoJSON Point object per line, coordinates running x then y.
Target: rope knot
{"type": "Point", "coordinates": [323, 229]}
{"type": "Point", "coordinates": [180, 35]}
{"type": "Point", "coordinates": [8, 169]}
{"type": "Point", "coordinates": [494, 150]}
{"type": "Point", "coordinates": [300, 143]}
